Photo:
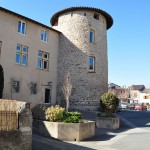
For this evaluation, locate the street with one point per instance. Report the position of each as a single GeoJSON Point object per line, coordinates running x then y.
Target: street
{"type": "Point", "coordinates": [133, 134]}
{"type": "Point", "coordinates": [137, 118]}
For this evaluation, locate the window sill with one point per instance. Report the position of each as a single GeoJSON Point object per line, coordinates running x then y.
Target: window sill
{"type": "Point", "coordinates": [42, 69]}
{"type": "Point", "coordinates": [93, 43]}
{"type": "Point", "coordinates": [21, 65]}
{"type": "Point", "coordinates": [91, 72]}
{"type": "Point", "coordinates": [22, 34]}
{"type": "Point", "coordinates": [44, 41]}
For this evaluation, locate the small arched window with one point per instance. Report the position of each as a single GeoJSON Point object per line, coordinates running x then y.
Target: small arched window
{"type": "Point", "coordinates": [92, 36]}
{"type": "Point", "coordinates": [91, 64]}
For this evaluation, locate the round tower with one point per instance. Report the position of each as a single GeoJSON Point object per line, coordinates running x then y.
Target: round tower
{"type": "Point", "coordinates": [83, 53]}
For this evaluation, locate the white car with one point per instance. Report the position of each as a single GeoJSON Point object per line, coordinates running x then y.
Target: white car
{"type": "Point", "coordinates": [124, 105]}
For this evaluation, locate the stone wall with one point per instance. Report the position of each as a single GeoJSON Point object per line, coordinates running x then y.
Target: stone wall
{"type": "Point", "coordinates": [73, 56]}
{"type": "Point", "coordinates": [21, 138]}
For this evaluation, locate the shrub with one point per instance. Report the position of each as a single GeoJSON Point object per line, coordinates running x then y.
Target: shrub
{"type": "Point", "coordinates": [74, 113]}
{"type": "Point", "coordinates": [72, 119]}
{"type": "Point", "coordinates": [54, 113]}
{"type": "Point", "coordinates": [58, 114]}
{"type": "Point", "coordinates": [109, 102]}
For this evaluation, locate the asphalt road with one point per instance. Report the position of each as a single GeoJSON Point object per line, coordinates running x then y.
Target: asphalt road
{"type": "Point", "coordinates": [136, 118]}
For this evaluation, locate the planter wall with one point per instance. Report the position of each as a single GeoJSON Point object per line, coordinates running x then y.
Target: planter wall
{"type": "Point", "coordinates": [65, 131]}
{"type": "Point", "coordinates": [108, 122]}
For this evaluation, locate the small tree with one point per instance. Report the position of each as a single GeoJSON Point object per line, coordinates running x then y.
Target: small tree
{"type": "Point", "coordinates": [1, 81]}
{"type": "Point", "coordinates": [109, 102]}
{"type": "Point", "coordinates": [67, 87]}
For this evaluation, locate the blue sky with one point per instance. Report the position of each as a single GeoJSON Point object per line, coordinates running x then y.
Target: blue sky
{"type": "Point", "coordinates": [128, 39]}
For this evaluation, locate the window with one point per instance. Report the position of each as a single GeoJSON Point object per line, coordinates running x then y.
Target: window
{"type": "Point", "coordinates": [92, 64]}
{"type": "Point", "coordinates": [43, 60]}
{"type": "Point", "coordinates": [92, 36]}
{"type": "Point", "coordinates": [146, 97]}
{"type": "Point", "coordinates": [21, 27]}
{"type": "Point", "coordinates": [21, 55]}
{"type": "Point", "coordinates": [44, 36]}
{"type": "Point", "coordinates": [33, 88]}
{"type": "Point", "coordinates": [15, 86]}
{"type": "Point", "coordinates": [135, 95]}
{"type": "Point", "coordinates": [96, 16]}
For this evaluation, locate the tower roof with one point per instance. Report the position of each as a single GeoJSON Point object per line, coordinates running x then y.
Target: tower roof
{"type": "Point", "coordinates": [109, 19]}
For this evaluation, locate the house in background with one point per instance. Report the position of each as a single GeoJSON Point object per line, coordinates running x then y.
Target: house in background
{"type": "Point", "coordinates": [137, 87]}
{"type": "Point", "coordinates": [145, 96]}
{"type": "Point", "coordinates": [140, 96]}
{"type": "Point", "coordinates": [135, 92]}
{"type": "Point", "coordinates": [132, 94]}
{"type": "Point", "coordinates": [121, 92]}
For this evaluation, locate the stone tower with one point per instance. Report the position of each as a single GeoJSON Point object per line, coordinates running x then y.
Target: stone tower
{"type": "Point", "coordinates": [83, 53]}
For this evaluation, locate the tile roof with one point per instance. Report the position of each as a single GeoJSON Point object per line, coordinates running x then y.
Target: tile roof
{"type": "Point", "coordinates": [138, 87]}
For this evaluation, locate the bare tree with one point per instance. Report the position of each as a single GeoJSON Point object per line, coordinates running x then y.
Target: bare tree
{"type": "Point", "coordinates": [67, 87]}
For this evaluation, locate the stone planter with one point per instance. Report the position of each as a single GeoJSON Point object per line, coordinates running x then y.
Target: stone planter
{"type": "Point", "coordinates": [108, 122]}
{"type": "Point", "coordinates": [65, 131]}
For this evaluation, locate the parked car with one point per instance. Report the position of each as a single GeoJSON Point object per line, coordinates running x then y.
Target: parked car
{"type": "Point", "coordinates": [124, 105]}
{"type": "Point", "coordinates": [132, 106]}
{"type": "Point", "coordinates": [140, 107]}
{"type": "Point", "coordinates": [119, 107]}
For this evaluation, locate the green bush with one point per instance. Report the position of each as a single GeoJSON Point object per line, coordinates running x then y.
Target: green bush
{"type": "Point", "coordinates": [54, 113]}
{"type": "Point", "coordinates": [74, 113]}
{"type": "Point", "coordinates": [58, 114]}
{"type": "Point", "coordinates": [72, 119]}
{"type": "Point", "coordinates": [109, 102]}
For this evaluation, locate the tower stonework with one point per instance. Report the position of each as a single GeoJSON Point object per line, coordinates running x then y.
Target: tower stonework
{"type": "Point", "coordinates": [75, 25]}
